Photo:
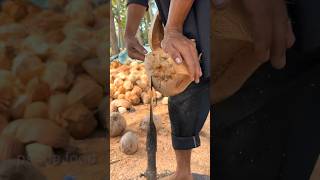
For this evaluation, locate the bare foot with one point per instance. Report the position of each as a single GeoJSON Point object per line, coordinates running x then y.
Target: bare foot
{"type": "Point", "coordinates": [179, 177]}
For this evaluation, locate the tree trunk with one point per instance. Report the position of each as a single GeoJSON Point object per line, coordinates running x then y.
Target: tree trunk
{"type": "Point", "coordinates": [113, 36]}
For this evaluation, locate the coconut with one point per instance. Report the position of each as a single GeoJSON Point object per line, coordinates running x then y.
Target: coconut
{"type": "Point", "coordinates": [10, 147]}
{"type": "Point", "coordinates": [36, 110]}
{"type": "Point", "coordinates": [7, 81]}
{"type": "Point", "coordinates": [57, 4]}
{"type": "Point", "coordinates": [57, 75]}
{"type": "Point", "coordinates": [122, 110]}
{"type": "Point", "coordinates": [36, 44]}
{"type": "Point", "coordinates": [38, 130]}
{"type": "Point", "coordinates": [39, 154]}
{"type": "Point", "coordinates": [38, 90]}
{"type": "Point", "coordinates": [15, 9]}
{"type": "Point", "coordinates": [96, 69]}
{"type": "Point", "coordinates": [19, 105]}
{"type": "Point", "coordinates": [80, 10]}
{"type": "Point", "coordinates": [144, 124]}
{"type": "Point", "coordinates": [117, 124]}
{"type": "Point", "coordinates": [146, 98]}
{"type": "Point", "coordinates": [86, 91]}
{"type": "Point", "coordinates": [121, 103]}
{"type": "Point", "coordinates": [168, 77]}
{"type": "Point", "coordinates": [12, 31]}
{"type": "Point", "coordinates": [164, 100]}
{"type": "Point", "coordinates": [19, 169]}
{"type": "Point", "coordinates": [142, 84]}
{"type": "Point", "coordinates": [79, 121]}
{"type": "Point", "coordinates": [6, 54]}
{"type": "Point", "coordinates": [4, 120]}
{"type": "Point", "coordinates": [57, 104]}
{"type": "Point", "coordinates": [129, 143]}
{"type": "Point", "coordinates": [118, 82]}
{"type": "Point", "coordinates": [27, 66]}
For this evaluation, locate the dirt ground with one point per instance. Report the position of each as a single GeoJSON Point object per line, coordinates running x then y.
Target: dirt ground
{"type": "Point", "coordinates": [130, 167]}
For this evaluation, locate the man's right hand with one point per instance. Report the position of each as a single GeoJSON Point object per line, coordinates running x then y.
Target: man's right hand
{"type": "Point", "coordinates": [134, 48]}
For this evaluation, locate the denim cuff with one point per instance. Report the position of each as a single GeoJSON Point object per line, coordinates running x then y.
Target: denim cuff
{"type": "Point", "coordinates": [185, 143]}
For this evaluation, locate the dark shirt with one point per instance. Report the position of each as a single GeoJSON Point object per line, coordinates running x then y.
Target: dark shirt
{"type": "Point", "coordinates": [196, 26]}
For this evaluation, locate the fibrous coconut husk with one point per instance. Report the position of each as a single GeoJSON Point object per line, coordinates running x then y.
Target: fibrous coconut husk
{"type": "Point", "coordinates": [10, 147]}
{"type": "Point", "coordinates": [117, 124]}
{"type": "Point", "coordinates": [168, 77]}
{"type": "Point", "coordinates": [78, 120]}
{"type": "Point", "coordinates": [7, 81]}
{"type": "Point", "coordinates": [38, 130]}
{"type": "Point", "coordinates": [129, 143]}
{"type": "Point", "coordinates": [12, 31]}
{"type": "Point", "coordinates": [19, 169]}
{"type": "Point", "coordinates": [86, 91]}
{"type": "Point", "coordinates": [80, 10]}
{"type": "Point", "coordinates": [37, 45]}
{"type": "Point", "coordinates": [27, 66]}
{"type": "Point", "coordinates": [232, 51]}
{"type": "Point", "coordinates": [36, 109]}
{"type": "Point", "coordinates": [120, 103]}
{"type": "Point", "coordinates": [39, 154]}
{"type": "Point", "coordinates": [6, 56]}
{"type": "Point", "coordinates": [57, 5]}
{"type": "Point", "coordinates": [19, 105]}
{"type": "Point", "coordinates": [144, 124]}
{"type": "Point", "coordinates": [4, 120]}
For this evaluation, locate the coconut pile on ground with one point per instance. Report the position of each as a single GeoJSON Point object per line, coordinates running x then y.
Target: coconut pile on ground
{"type": "Point", "coordinates": [129, 86]}
{"type": "Point", "coordinates": [52, 75]}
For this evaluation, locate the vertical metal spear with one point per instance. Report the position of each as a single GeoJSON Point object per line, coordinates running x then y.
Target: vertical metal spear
{"type": "Point", "coordinates": [151, 172]}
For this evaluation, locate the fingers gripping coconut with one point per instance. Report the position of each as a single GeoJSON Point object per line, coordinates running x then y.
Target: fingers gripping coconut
{"type": "Point", "coordinates": [168, 77]}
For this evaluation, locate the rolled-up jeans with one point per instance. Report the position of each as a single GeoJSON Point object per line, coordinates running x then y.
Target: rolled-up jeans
{"type": "Point", "coordinates": [188, 112]}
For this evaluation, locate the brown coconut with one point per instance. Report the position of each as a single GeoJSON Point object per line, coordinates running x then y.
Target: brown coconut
{"type": "Point", "coordinates": [232, 51]}
{"type": "Point", "coordinates": [10, 147]}
{"type": "Point", "coordinates": [38, 130]}
{"type": "Point", "coordinates": [12, 31]}
{"type": "Point", "coordinates": [129, 143]}
{"type": "Point", "coordinates": [19, 105]}
{"type": "Point", "coordinates": [15, 9]}
{"type": "Point", "coordinates": [19, 169]}
{"type": "Point", "coordinates": [36, 109]}
{"type": "Point", "coordinates": [6, 56]}
{"type": "Point", "coordinates": [4, 121]}
{"type": "Point", "coordinates": [7, 81]}
{"type": "Point", "coordinates": [38, 90]}
{"type": "Point", "coordinates": [144, 124]}
{"type": "Point", "coordinates": [121, 103]}
{"type": "Point", "coordinates": [117, 124]}
{"type": "Point", "coordinates": [56, 105]}
{"type": "Point", "coordinates": [39, 154]}
{"type": "Point", "coordinates": [79, 121]}
{"type": "Point", "coordinates": [86, 91]}
{"type": "Point", "coordinates": [27, 66]}
{"type": "Point", "coordinates": [36, 44]}
{"type": "Point", "coordinates": [80, 10]}
{"type": "Point", "coordinates": [96, 69]}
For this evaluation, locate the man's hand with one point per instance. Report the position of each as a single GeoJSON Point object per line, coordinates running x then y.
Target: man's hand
{"type": "Point", "coordinates": [179, 47]}
{"type": "Point", "coordinates": [182, 49]}
{"type": "Point", "coordinates": [272, 32]}
{"type": "Point", "coordinates": [134, 48]}
{"type": "Point", "coordinates": [134, 15]}
{"type": "Point", "coordinates": [271, 28]}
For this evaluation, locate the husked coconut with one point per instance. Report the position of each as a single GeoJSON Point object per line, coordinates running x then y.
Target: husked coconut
{"type": "Point", "coordinates": [168, 77]}
{"type": "Point", "coordinates": [133, 98]}
{"type": "Point", "coordinates": [38, 90]}
{"type": "Point", "coordinates": [122, 110]}
{"type": "Point", "coordinates": [57, 104]}
{"type": "Point", "coordinates": [10, 147]}
{"type": "Point", "coordinates": [129, 143]}
{"type": "Point", "coordinates": [19, 105]}
{"type": "Point", "coordinates": [27, 66]}
{"type": "Point", "coordinates": [146, 98]}
{"type": "Point", "coordinates": [80, 10]}
{"type": "Point", "coordinates": [96, 69]}
{"type": "Point", "coordinates": [36, 44]}
{"type": "Point", "coordinates": [121, 90]}
{"type": "Point", "coordinates": [39, 154]}
{"type": "Point", "coordinates": [142, 84]}
{"type": "Point", "coordinates": [57, 75]}
{"type": "Point", "coordinates": [121, 103]}
{"type": "Point", "coordinates": [57, 4]}
{"type": "Point", "coordinates": [54, 37]}
{"type": "Point", "coordinates": [38, 130]}
{"type": "Point", "coordinates": [133, 77]}
{"type": "Point", "coordinates": [128, 85]}
{"type": "Point", "coordinates": [114, 65]}
{"type": "Point", "coordinates": [15, 9]}
{"type": "Point", "coordinates": [19, 169]}
{"type": "Point", "coordinates": [112, 90]}
{"type": "Point", "coordinates": [121, 96]}
{"type": "Point", "coordinates": [36, 110]}
{"type": "Point", "coordinates": [158, 95]}
{"type": "Point", "coordinates": [144, 124]}
{"type": "Point", "coordinates": [118, 82]}
{"type": "Point", "coordinates": [86, 91]}
{"type": "Point", "coordinates": [117, 124]}
{"type": "Point", "coordinates": [5, 19]}
{"type": "Point", "coordinates": [137, 90]}
{"type": "Point", "coordinates": [102, 113]}
{"type": "Point", "coordinates": [7, 81]}
{"type": "Point", "coordinates": [79, 121]}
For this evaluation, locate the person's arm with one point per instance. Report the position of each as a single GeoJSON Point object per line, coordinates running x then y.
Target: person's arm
{"type": "Point", "coordinates": [179, 47]}
{"type": "Point", "coordinates": [134, 15]}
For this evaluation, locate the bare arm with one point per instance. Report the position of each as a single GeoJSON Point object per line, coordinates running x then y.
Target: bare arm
{"type": "Point", "coordinates": [134, 15]}
{"type": "Point", "coordinates": [179, 47]}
